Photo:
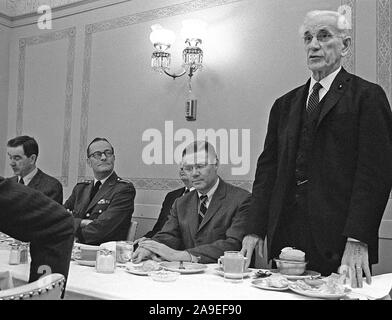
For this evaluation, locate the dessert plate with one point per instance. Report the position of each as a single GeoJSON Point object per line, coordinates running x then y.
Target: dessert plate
{"type": "Point", "coordinates": [263, 284]}
{"type": "Point", "coordinates": [317, 293]}
{"type": "Point", "coordinates": [189, 267]}
{"type": "Point", "coordinates": [88, 263]}
{"type": "Point", "coordinates": [138, 270]}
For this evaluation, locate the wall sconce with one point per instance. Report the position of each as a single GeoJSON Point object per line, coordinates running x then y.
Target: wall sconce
{"type": "Point", "coordinates": [193, 32]}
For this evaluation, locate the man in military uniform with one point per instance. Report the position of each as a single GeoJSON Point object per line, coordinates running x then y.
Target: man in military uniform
{"type": "Point", "coordinates": [102, 207]}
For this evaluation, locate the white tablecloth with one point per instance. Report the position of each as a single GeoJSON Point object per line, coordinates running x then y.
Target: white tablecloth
{"type": "Point", "coordinates": [84, 280]}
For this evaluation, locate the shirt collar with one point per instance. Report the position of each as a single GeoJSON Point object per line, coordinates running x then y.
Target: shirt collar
{"type": "Point", "coordinates": [103, 180]}
{"type": "Point", "coordinates": [211, 192]}
{"type": "Point", "coordinates": [28, 177]}
{"type": "Point", "coordinates": [325, 82]}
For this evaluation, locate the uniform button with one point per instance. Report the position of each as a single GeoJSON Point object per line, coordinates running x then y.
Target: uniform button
{"type": "Point", "coordinates": [99, 211]}
{"type": "Point", "coordinates": [87, 215]}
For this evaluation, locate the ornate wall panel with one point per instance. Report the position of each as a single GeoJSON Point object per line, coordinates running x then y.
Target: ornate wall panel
{"type": "Point", "coordinates": [141, 17]}
{"type": "Point", "coordinates": [69, 34]}
{"type": "Point", "coordinates": [349, 60]}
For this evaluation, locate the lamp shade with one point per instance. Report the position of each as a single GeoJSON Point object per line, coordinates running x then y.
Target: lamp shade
{"type": "Point", "coordinates": [161, 35]}
{"type": "Point", "coordinates": [193, 29]}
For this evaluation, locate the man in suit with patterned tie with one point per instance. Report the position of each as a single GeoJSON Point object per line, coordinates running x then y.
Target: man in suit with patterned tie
{"type": "Point", "coordinates": [103, 207]}
{"type": "Point", "coordinates": [324, 177]}
{"type": "Point", "coordinates": [23, 153]}
{"type": "Point", "coordinates": [204, 223]}
{"type": "Point", "coordinates": [167, 204]}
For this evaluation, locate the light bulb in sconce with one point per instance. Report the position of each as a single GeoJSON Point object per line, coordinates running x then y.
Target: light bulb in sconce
{"type": "Point", "coordinates": [162, 39]}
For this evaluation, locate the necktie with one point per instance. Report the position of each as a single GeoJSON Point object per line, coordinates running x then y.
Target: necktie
{"type": "Point", "coordinates": [21, 180]}
{"type": "Point", "coordinates": [313, 98]}
{"type": "Point", "coordinates": [95, 189]}
{"type": "Point", "coordinates": [186, 191]}
{"type": "Point", "coordinates": [203, 207]}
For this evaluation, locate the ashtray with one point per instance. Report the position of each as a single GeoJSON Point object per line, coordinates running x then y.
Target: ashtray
{"type": "Point", "coordinates": [164, 275]}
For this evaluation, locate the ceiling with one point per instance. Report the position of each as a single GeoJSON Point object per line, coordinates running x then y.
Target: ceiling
{"type": "Point", "coordinates": [15, 8]}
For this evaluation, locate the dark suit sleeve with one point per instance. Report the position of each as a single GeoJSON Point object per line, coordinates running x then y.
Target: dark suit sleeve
{"type": "Point", "coordinates": [373, 177]}
{"type": "Point", "coordinates": [264, 178]}
{"type": "Point", "coordinates": [164, 213]}
{"type": "Point", "coordinates": [208, 253]}
{"type": "Point", "coordinates": [120, 209]}
{"type": "Point", "coordinates": [30, 216]}
{"type": "Point", "coordinates": [56, 192]}
{"type": "Point", "coordinates": [170, 234]}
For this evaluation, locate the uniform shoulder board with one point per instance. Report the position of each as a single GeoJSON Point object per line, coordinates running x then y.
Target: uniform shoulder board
{"type": "Point", "coordinates": [123, 180]}
{"type": "Point", "coordinates": [86, 181]}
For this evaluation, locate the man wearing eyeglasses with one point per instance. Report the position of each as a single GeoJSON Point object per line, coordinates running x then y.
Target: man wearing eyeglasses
{"type": "Point", "coordinates": [204, 223]}
{"type": "Point", "coordinates": [324, 177]}
{"type": "Point", "coordinates": [102, 207]}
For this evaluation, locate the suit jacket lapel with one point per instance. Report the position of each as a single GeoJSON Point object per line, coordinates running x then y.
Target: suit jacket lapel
{"type": "Point", "coordinates": [104, 189]}
{"type": "Point", "coordinates": [294, 120]}
{"type": "Point", "coordinates": [335, 92]}
{"type": "Point", "coordinates": [215, 204]}
{"type": "Point", "coordinates": [36, 179]}
{"type": "Point", "coordinates": [192, 214]}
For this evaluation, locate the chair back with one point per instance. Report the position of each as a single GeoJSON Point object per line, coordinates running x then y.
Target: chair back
{"type": "Point", "coordinates": [48, 287]}
{"type": "Point", "coordinates": [132, 231]}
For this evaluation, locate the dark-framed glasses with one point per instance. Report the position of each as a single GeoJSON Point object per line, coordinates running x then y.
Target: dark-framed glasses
{"type": "Point", "coordinates": [321, 36]}
{"type": "Point", "coordinates": [98, 154]}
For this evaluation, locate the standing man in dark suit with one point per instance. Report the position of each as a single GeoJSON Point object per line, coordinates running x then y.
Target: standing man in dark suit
{"type": "Point", "coordinates": [30, 216]}
{"type": "Point", "coordinates": [167, 204]}
{"type": "Point", "coordinates": [102, 207]}
{"type": "Point", "coordinates": [324, 177]}
{"type": "Point", "coordinates": [23, 153]}
{"type": "Point", "coordinates": [205, 222]}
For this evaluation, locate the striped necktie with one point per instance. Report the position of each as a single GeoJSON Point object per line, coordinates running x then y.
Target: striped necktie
{"type": "Point", "coordinates": [203, 207]}
{"type": "Point", "coordinates": [21, 181]}
{"type": "Point", "coordinates": [314, 99]}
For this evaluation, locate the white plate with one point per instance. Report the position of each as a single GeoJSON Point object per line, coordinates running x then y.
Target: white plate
{"type": "Point", "coordinates": [88, 263]}
{"type": "Point", "coordinates": [246, 274]}
{"type": "Point", "coordinates": [189, 267]}
{"type": "Point", "coordinates": [137, 270]}
{"type": "Point", "coordinates": [318, 294]}
{"type": "Point", "coordinates": [308, 274]}
{"type": "Point", "coordinates": [263, 284]}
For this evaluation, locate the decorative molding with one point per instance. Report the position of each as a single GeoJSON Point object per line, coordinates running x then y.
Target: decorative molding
{"type": "Point", "coordinates": [349, 60]}
{"type": "Point", "coordinates": [170, 184]}
{"type": "Point", "coordinates": [106, 25]}
{"type": "Point", "coordinates": [384, 46]}
{"type": "Point", "coordinates": [21, 7]}
{"type": "Point", "coordinates": [69, 33]}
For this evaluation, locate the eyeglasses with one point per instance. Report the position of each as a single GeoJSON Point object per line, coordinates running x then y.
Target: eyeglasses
{"type": "Point", "coordinates": [322, 36]}
{"type": "Point", "coordinates": [197, 167]}
{"type": "Point", "coordinates": [98, 154]}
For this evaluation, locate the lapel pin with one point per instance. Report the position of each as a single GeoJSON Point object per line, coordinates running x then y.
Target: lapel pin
{"type": "Point", "coordinates": [340, 86]}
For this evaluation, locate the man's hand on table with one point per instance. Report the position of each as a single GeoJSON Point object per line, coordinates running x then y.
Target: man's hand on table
{"type": "Point", "coordinates": [248, 246]}
{"type": "Point", "coordinates": [165, 252]}
{"type": "Point", "coordinates": [355, 261]}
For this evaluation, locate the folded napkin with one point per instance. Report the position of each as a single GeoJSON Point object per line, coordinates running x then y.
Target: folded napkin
{"type": "Point", "coordinates": [6, 281]}
{"type": "Point", "coordinates": [379, 288]}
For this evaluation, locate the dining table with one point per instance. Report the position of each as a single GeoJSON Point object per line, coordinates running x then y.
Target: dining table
{"type": "Point", "coordinates": [85, 283]}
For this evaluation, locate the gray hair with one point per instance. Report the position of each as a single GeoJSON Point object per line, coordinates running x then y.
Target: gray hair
{"type": "Point", "coordinates": [342, 24]}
